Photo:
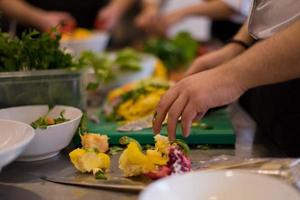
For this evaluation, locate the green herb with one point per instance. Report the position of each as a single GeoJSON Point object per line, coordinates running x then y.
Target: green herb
{"type": "Point", "coordinates": [202, 125]}
{"type": "Point", "coordinates": [182, 145]}
{"type": "Point", "coordinates": [115, 150]}
{"type": "Point", "coordinates": [100, 175]}
{"type": "Point", "coordinates": [43, 122]}
{"type": "Point", "coordinates": [33, 51]}
{"type": "Point", "coordinates": [128, 59]}
{"type": "Point", "coordinates": [176, 52]}
{"type": "Point", "coordinates": [203, 147]}
{"type": "Point", "coordinates": [102, 66]}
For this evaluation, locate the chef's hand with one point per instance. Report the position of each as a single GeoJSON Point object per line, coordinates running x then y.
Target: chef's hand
{"type": "Point", "coordinates": [148, 21]}
{"type": "Point", "coordinates": [146, 18]}
{"type": "Point", "coordinates": [60, 20]}
{"type": "Point", "coordinates": [108, 17]}
{"type": "Point", "coordinates": [215, 58]}
{"type": "Point", "coordinates": [191, 97]}
{"type": "Point", "coordinates": [171, 18]}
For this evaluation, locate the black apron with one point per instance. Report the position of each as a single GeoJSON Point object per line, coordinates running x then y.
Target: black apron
{"type": "Point", "coordinates": [276, 110]}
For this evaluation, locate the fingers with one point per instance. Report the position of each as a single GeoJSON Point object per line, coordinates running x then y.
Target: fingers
{"type": "Point", "coordinates": [188, 115]}
{"type": "Point", "coordinates": [162, 109]}
{"type": "Point", "coordinates": [174, 113]}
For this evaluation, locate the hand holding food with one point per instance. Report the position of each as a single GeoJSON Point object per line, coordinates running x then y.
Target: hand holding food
{"type": "Point", "coordinates": [191, 97]}
{"type": "Point", "coordinates": [61, 20]}
{"type": "Point", "coordinates": [108, 17]}
{"type": "Point", "coordinates": [164, 159]}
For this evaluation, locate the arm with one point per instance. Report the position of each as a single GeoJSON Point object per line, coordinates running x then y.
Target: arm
{"type": "Point", "coordinates": [150, 11]}
{"type": "Point", "coordinates": [216, 9]}
{"type": "Point", "coordinates": [30, 15]}
{"type": "Point", "coordinates": [110, 16]}
{"type": "Point", "coordinates": [222, 55]}
{"type": "Point", "coordinates": [271, 61]}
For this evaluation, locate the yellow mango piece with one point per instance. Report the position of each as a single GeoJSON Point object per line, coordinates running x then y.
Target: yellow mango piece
{"type": "Point", "coordinates": [134, 162]}
{"type": "Point", "coordinates": [156, 157]}
{"type": "Point", "coordinates": [95, 141]}
{"type": "Point", "coordinates": [86, 161]}
{"type": "Point", "coordinates": [162, 143]}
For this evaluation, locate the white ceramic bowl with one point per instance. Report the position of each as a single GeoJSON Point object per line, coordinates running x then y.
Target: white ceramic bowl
{"type": "Point", "coordinates": [47, 142]}
{"type": "Point", "coordinates": [220, 185]}
{"type": "Point", "coordinates": [14, 137]}
{"type": "Point", "coordinates": [147, 64]}
{"type": "Point", "coordinates": [96, 43]}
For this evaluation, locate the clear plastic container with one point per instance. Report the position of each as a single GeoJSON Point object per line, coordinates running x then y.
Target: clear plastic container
{"type": "Point", "coordinates": [52, 87]}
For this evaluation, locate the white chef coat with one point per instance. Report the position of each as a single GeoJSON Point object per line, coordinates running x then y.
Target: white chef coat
{"type": "Point", "coordinates": [271, 16]}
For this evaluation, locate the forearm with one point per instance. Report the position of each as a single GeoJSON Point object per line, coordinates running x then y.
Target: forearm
{"type": "Point", "coordinates": [21, 11]}
{"type": "Point", "coordinates": [209, 9]}
{"type": "Point", "coordinates": [151, 5]}
{"type": "Point", "coordinates": [271, 61]}
{"type": "Point", "coordinates": [121, 5]}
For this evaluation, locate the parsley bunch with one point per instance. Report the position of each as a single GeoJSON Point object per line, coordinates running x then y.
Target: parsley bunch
{"type": "Point", "coordinates": [33, 51]}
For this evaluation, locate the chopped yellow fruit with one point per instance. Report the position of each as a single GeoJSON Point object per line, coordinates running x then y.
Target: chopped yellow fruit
{"type": "Point", "coordinates": [143, 106]}
{"type": "Point", "coordinates": [156, 157]}
{"type": "Point", "coordinates": [133, 162]}
{"type": "Point", "coordinates": [162, 143]}
{"type": "Point", "coordinates": [95, 141]}
{"type": "Point", "coordinates": [87, 161]}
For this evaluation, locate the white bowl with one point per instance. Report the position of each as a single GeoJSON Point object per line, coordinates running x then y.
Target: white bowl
{"type": "Point", "coordinates": [47, 142]}
{"type": "Point", "coordinates": [147, 64]}
{"type": "Point", "coordinates": [14, 138]}
{"type": "Point", "coordinates": [96, 43]}
{"type": "Point", "coordinates": [220, 185]}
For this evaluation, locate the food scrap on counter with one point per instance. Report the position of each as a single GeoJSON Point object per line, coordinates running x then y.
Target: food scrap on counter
{"type": "Point", "coordinates": [165, 159]}
{"type": "Point", "coordinates": [91, 158]}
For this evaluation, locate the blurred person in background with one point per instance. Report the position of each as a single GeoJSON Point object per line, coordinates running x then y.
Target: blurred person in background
{"type": "Point", "coordinates": [227, 15]}
{"type": "Point", "coordinates": [46, 14]}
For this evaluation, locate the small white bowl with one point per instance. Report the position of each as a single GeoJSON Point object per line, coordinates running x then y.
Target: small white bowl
{"type": "Point", "coordinates": [47, 142]}
{"type": "Point", "coordinates": [96, 43]}
{"type": "Point", "coordinates": [14, 138]}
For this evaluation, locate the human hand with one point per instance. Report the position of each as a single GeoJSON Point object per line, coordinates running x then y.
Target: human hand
{"type": "Point", "coordinates": [108, 17]}
{"type": "Point", "coordinates": [146, 18]}
{"type": "Point", "coordinates": [63, 21]}
{"type": "Point", "coordinates": [148, 21]}
{"type": "Point", "coordinates": [171, 18]}
{"type": "Point", "coordinates": [191, 97]}
{"type": "Point", "coordinates": [214, 59]}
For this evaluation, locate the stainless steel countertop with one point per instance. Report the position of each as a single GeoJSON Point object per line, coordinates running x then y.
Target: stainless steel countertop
{"type": "Point", "coordinates": [21, 180]}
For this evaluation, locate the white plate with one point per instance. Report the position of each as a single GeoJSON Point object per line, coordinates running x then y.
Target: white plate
{"type": "Point", "coordinates": [47, 142]}
{"type": "Point", "coordinates": [14, 137]}
{"type": "Point", "coordinates": [220, 185]}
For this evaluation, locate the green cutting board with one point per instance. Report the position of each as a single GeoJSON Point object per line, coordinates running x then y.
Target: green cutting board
{"type": "Point", "coordinates": [220, 133]}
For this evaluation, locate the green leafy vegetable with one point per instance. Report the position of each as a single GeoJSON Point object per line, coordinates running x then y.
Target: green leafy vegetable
{"type": "Point", "coordinates": [176, 52]}
{"type": "Point", "coordinates": [105, 66]}
{"type": "Point", "coordinates": [114, 150]}
{"type": "Point", "coordinates": [100, 175]}
{"type": "Point", "coordinates": [43, 122]}
{"type": "Point", "coordinates": [128, 59]}
{"type": "Point", "coordinates": [33, 51]}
